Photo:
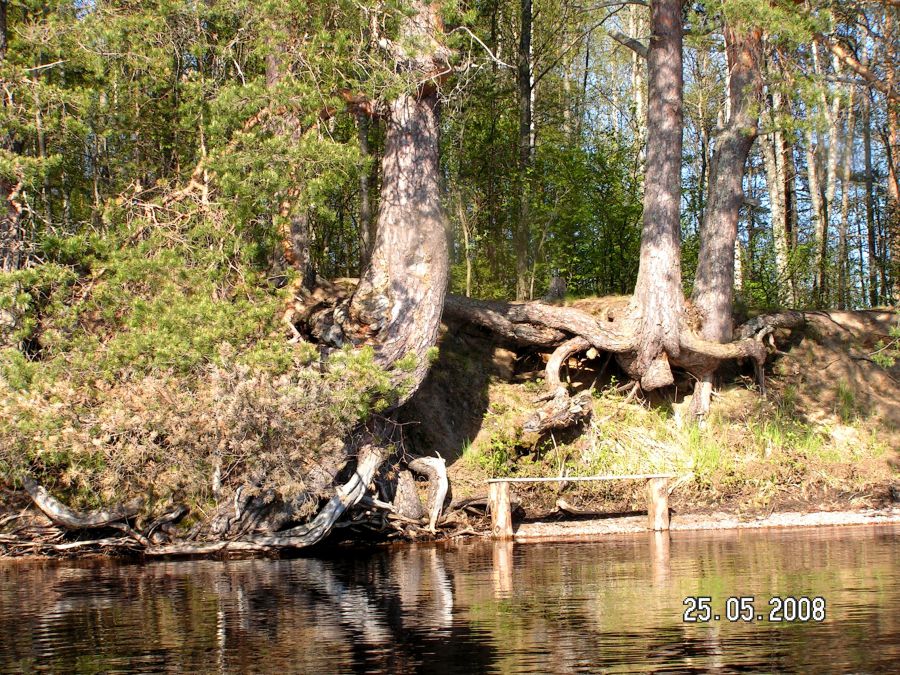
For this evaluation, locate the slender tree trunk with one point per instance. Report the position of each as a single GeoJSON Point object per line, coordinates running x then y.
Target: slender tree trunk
{"type": "Point", "coordinates": [10, 208]}
{"type": "Point", "coordinates": [825, 186]}
{"type": "Point", "coordinates": [658, 296]}
{"type": "Point", "coordinates": [820, 212]}
{"type": "Point", "coordinates": [468, 251]}
{"type": "Point", "coordinates": [636, 27]}
{"type": "Point", "coordinates": [870, 203]}
{"type": "Point", "coordinates": [714, 283]}
{"type": "Point", "coordinates": [525, 90]}
{"type": "Point", "coordinates": [4, 4]}
{"type": "Point", "coordinates": [843, 262]}
{"type": "Point", "coordinates": [891, 251]}
{"type": "Point", "coordinates": [777, 214]}
{"type": "Point", "coordinates": [861, 269]}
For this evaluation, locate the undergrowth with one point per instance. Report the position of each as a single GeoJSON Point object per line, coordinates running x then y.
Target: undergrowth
{"type": "Point", "coordinates": [147, 361]}
{"type": "Point", "coordinates": [752, 450]}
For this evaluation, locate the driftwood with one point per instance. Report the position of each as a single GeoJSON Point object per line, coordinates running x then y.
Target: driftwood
{"type": "Point", "coordinates": [766, 323]}
{"type": "Point", "coordinates": [560, 412]}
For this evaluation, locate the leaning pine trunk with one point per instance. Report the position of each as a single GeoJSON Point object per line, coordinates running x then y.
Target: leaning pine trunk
{"type": "Point", "coordinates": [401, 294]}
{"type": "Point", "coordinates": [658, 297]}
{"type": "Point", "coordinates": [714, 284]}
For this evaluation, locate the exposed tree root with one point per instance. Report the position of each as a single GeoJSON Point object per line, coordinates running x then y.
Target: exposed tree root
{"type": "Point", "coordinates": [254, 524]}
{"type": "Point", "coordinates": [570, 330]}
{"type": "Point", "coordinates": [156, 539]}
{"type": "Point", "coordinates": [435, 468]}
{"type": "Point", "coordinates": [62, 515]}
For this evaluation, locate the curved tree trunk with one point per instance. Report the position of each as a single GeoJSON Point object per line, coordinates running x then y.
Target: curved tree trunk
{"type": "Point", "coordinates": [658, 298]}
{"type": "Point", "coordinates": [397, 305]}
{"type": "Point", "coordinates": [714, 283]}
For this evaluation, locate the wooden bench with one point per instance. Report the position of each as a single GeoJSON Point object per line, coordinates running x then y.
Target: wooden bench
{"type": "Point", "coordinates": [657, 498]}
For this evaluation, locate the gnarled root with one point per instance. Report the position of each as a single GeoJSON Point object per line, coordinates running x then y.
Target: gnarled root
{"type": "Point", "coordinates": [70, 519]}
{"type": "Point", "coordinates": [435, 468]}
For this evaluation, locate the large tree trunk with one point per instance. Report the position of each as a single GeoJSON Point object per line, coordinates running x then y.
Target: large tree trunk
{"type": "Point", "coordinates": [714, 283]}
{"type": "Point", "coordinates": [658, 297]}
{"type": "Point", "coordinates": [397, 305]}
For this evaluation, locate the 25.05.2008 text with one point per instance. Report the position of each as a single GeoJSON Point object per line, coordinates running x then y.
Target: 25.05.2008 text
{"type": "Point", "coordinates": [788, 608]}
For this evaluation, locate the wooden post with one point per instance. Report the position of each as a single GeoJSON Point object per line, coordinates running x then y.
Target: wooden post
{"type": "Point", "coordinates": [501, 516]}
{"type": "Point", "coordinates": [658, 503]}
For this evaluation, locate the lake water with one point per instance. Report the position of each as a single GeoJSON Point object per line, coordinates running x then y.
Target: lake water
{"type": "Point", "coordinates": [617, 605]}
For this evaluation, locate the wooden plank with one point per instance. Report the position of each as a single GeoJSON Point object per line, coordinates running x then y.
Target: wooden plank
{"type": "Point", "coordinates": [658, 503]}
{"type": "Point", "coordinates": [568, 479]}
{"type": "Point", "coordinates": [501, 514]}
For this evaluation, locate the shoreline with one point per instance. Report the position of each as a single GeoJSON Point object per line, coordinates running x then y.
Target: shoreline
{"type": "Point", "coordinates": [596, 528]}
{"type": "Point", "coordinates": [576, 530]}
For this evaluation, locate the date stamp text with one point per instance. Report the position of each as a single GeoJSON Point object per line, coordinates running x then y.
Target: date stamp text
{"type": "Point", "coordinates": [747, 609]}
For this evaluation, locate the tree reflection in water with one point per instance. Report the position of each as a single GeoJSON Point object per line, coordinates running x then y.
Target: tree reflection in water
{"type": "Point", "coordinates": [464, 608]}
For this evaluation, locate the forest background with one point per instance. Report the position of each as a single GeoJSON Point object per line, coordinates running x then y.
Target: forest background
{"type": "Point", "coordinates": [170, 170]}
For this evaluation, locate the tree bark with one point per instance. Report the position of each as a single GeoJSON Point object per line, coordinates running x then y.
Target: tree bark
{"type": "Point", "coordinates": [714, 283]}
{"type": "Point", "coordinates": [778, 213]}
{"type": "Point", "coordinates": [10, 208]}
{"type": "Point", "coordinates": [658, 298]}
{"type": "Point", "coordinates": [397, 305]}
{"type": "Point", "coordinates": [893, 154]}
{"type": "Point", "coordinates": [822, 191]}
{"type": "Point", "coordinates": [9, 217]}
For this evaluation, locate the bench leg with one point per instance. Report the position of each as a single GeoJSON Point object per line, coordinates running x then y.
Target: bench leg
{"type": "Point", "coordinates": [501, 517]}
{"type": "Point", "coordinates": [658, 503]}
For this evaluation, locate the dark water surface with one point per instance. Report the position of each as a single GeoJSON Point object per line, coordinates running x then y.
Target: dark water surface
{"type": "Point", "coordinates": [610, 606]}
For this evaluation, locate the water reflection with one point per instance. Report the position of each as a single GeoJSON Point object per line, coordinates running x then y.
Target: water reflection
{"type": "Point", "coordinates": [615, 605]}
